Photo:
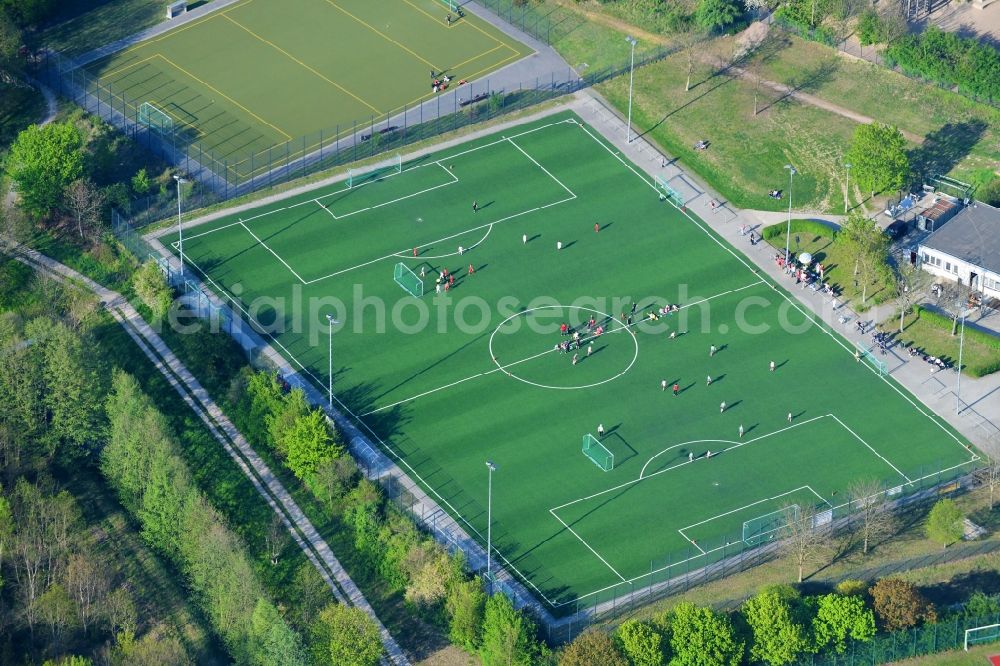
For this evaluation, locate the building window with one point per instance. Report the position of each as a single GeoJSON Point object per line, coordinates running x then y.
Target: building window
{"type": "Point", "coordinates": [947, 266]}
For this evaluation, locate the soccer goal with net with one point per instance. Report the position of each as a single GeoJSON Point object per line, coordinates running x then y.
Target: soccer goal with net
{"type": "Point", "coordinates": [667, 192]}
{"type": "Point", "coordinates": [598, 453]}
{"type": "Point", "coordinates": [452, 5]}
{"type": "Point", "coordinates": [155, 118]}
{"type": "Point", "coordinates": [359, 176]}
{"type": "Point", "coordinates": [863, 353]}
{"type": "Point", "coordinates": [765, 528]}
{"type": "Point", "coordinates": [408, 280]}
{"type": "Point", "coordinates": [977, 635]}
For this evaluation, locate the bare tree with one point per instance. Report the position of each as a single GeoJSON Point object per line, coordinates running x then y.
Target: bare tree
{"type": "Point", "coordinates": [275, 538]}
{"type": "Point", "coordinates": [119, 611]}
{"type": "Point", "coordinates": [990, 474]}
{"type": "Point", "coordinates": [909, 287]}
{"type": "Point", "coordinates": [688, 43]}
{"type": "Point", "coordinates": [872, 512]}
{"type": "Point", "coordinates": [802, 540]}
{"type": "Point", "coordinates": [85, 201]}
{"type": "Point", "coordinates": [88, 585]}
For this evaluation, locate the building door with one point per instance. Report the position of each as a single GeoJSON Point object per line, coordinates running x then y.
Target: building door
{"type": "Point", "coordinates": [974, 280]}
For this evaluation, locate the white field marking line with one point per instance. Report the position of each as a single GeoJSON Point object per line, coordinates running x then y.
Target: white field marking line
{"type": "Point", "coordinates": [819, 323]}
{"type": "Point", "coordinates": [547, 172]}
{"type": "Point", "coordinates": [598, 555]}
{"type": "Point", "coordinates": [386, 446]}
{"type": "Point", "coordinates": [570, 121]}
{"type": "Point", "coordinates": [692, 541]}
{"type": "Point", "coordinates": [454, 179]}
{"type": "Point", "coordinates": [760, 501]}
{"type": "Point", "coordinates": [425, 257]}
{"type": "Point", "coordinates": [884, 459]}
{"type": "Point", "coordinates": [685, 462]}
{"type": "Point", "coordinates": [547, 351]}
{"type": "Point", "coordinates": [265, 246]}
{"type": "Point", "coordinates": [440, 240]}
{"type": "Point", "coordinates": [736, 445]}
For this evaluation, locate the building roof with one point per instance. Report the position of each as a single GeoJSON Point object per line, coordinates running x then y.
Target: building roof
{"type": "Point", "coordinates": [972, 236]}
{"type": "Point", "coordinates": [941, 208]}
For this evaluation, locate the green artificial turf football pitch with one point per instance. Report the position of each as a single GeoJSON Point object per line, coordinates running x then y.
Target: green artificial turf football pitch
{"type": "Point", "coordinates": [448, 381]}
{"type": "Point", "coordinates": [258, 74]}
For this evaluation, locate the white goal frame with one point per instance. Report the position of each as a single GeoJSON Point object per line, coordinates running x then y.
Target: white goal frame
{"type": "Point", "coordinates": [995, 635]}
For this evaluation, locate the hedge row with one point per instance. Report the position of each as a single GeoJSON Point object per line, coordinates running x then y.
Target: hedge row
{"type": "Point", "coordinates": [799, 226]}
{"type": "Point", "coordinates": [946, 58]}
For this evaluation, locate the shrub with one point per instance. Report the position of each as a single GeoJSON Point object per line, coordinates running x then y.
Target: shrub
{"type": "Point", "coordinates": [944, 523]}
{"type": "Point", "coordinates": [851, 587]}
{"type": "Point", "coordinates": [592, 647]}
{"type": "Point", "coordinates": [990, 192]}
{"type": "Point", "coordinates": [899, 604]}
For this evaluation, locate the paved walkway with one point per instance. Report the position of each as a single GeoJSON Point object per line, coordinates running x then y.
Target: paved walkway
{"type": "Point", "coordinates": [198, 399]}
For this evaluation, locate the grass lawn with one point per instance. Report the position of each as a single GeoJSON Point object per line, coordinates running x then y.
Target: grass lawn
{"type": "Point", "coordinates": [962, 137]}
{"type": "Point", "coordinates": [837, 270]}
{"type": "Point", "coordinates": [84, 25]}
{"type": "Point", "coordinates": [258, 74]}
{"type": "Point", "coordinates": [446, 382]}
{"type": "Point", "coordinates": [931, 334]}
{"type": "Point", "coordinates": [748, 153]}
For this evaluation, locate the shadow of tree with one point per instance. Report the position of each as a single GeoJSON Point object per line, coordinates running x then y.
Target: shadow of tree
{"type": "Point", "coordinates": [944, 148]}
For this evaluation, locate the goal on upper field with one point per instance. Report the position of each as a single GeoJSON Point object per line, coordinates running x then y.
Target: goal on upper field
{"type": "Point", "coordinates": [667, 192]}
{"type": "Point", "coordinates": [598, 453]}
{"type": "Point", "coordinates": [765, 528]}
{"type": "Point", "coordinates": [977, 635]}
{"type": "Point", "coordinates": [863, 353]}
{"type": "Point", "coordinates": [155, 118]}
{"type": "Point", "coordinates": [408, 280]}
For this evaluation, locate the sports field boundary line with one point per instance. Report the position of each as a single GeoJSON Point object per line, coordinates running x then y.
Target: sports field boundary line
{"type": "Point", "coordinates": [861, 439]}
{"type": "Point", "coordinates": [547, 172]}
{"type": "Point", "coordinates": [814, 318]}
{"type": "Point", "coordinates": [343, 177]}
{"type": "Point", "coordinates": [584, 542]}
{"type": "Point", "coordinates": [224, 293]}
{"type": "Point", "coordinates": [266, 247]}
{"type": "Point", "coordinates": [454, 179]}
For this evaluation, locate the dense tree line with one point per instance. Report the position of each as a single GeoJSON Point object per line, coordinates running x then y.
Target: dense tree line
{"type": "Point", "coordinates": [436, 585]}
{"type": "Point", "coordinates": [949, 59]}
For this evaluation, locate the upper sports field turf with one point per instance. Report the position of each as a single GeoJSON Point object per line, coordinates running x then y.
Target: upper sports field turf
{"type": "Point", "coordinates": [444, 398]}
{"type": "Point", "coordinates": [258, 73]}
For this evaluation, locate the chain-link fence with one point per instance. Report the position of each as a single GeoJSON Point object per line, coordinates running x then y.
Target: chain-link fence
{"type": "Point", "coordinates": [905, 644]}
{"type": "Point", "coordinates": [224, 176]}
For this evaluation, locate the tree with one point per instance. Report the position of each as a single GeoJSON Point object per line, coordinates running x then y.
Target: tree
{"type": "Point", "coordinates": [6, 526]}
{"type": "Point", "coordinates": [641, 643]}
{"type": "Point", "coordinates": [716, 14]}
{"type": "Point", "coordinates": [867, 245]}
{"type": "Point", "coordinates": [150, 285]}
{"type": "Point", "coordinates": [309, 443]}
{"type": "Point", "coordinates": [702, 637]}
{"type": "Point", "coordinates": [430, 571]}
{"type": "Point", "coordinates": [84, 201]}
{"type": "Point", "coordinates": [119, 612]}
{"type": "Point", "coordinates": [981, 604]}
{"type": "Point", "coordinates": [872, 511]}
{"type": "Point", "coordinates": [899, 604]}
{"type": "Point", "coordinates": [878, 158]}
{"type": "Point", "coordinates": [989, 475]}
{"type": "Point", "coordinates": [152, 648]}
{"type": "Point", "coordinates": [141, 183]}
{"type": "Point", "coordinates": [910, 283]}
{"type": "Point", "coordinates": [508, 635]}
{"type": "Point", "coordinates": [87, 583]}
{"type": "Point", "coordinates": [465, 605]}
{"type": "Point", "coordinates": [72, 391]}
{"type": "Point", "coordinates": [272, 641]}
{"type": "Point", "coordinates": [944, 523]}
{"type": "Point", "coordinates": [275, 539]}
{"type": "Point", "coordinates": [777, 637]}
{"type": "Point", "coordinates": [590, 648]}
{"type": "Point", "coordinates": [839, 617]}
{"type": "Point", "coordinates": [346, 636]}
{"type": "Point", "coordinates": [687, 43]}
{"type": "Point", "coordinates": [43, 161]}
{"type": "Point", "coordinates": [57, 610]}
{"type": "Point", "coordinates": [801, 540]}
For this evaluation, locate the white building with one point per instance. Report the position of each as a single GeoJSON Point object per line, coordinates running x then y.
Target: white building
{"type": "Point", "coordinates": [967, 249]}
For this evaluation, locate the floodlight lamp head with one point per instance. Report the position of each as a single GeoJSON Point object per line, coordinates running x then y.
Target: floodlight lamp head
{"type": "Point", "coordinates": [491, 465]}
{"type": "Point", "coordinates": [792, 170]}
{"type": "Point", "coordinates": [631, 40]}
{"type": "Point", "coordinates": [848, 165]}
